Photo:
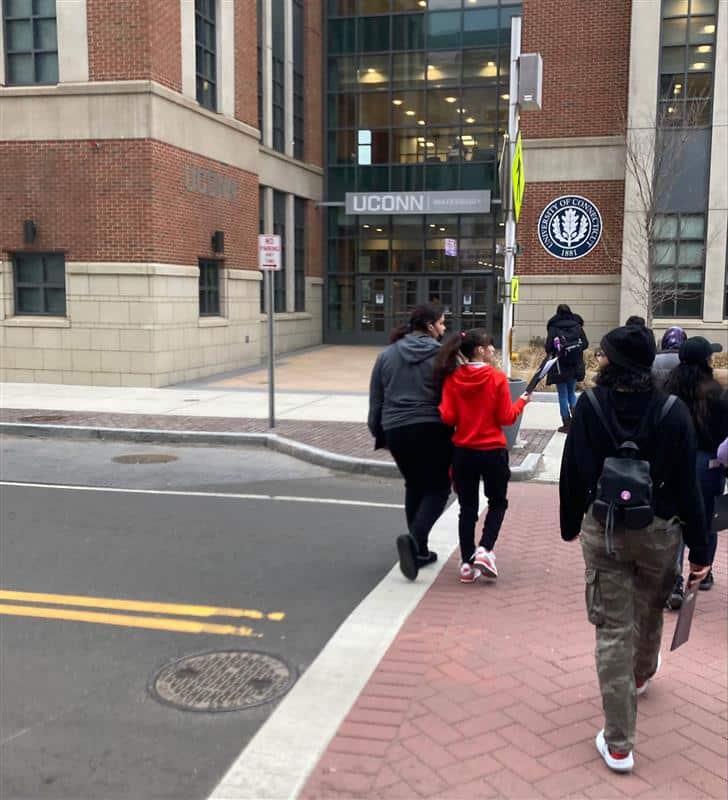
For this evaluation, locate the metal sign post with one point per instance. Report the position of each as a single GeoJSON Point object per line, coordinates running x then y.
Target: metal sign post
{"type": "Point", "coordinates": [269, 261]}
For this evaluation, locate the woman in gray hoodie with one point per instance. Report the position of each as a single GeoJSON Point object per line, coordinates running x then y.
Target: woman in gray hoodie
{"type": "Point", "coordinates": [404, 416]}
{"type": "Point", "coordinates": [669, 356]}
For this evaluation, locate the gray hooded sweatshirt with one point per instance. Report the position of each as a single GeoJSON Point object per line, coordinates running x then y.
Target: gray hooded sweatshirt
{"type": "Point", "coordinates": [402, 389]}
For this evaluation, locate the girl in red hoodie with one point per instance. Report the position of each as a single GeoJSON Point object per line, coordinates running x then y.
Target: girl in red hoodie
{"type": "Point", "coordinates": [476, 401]}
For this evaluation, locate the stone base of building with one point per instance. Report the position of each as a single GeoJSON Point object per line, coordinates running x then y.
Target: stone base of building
{"type": "Point", "coordinates": [138, 324]}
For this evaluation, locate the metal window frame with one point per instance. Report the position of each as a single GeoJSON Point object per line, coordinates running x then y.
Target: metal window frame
{"type": "Point", "coordinates": [33, 18]}
{"type": "Point", "coordinates": [299, 254]}
{"type": "Point", "coordinates": [209, 291]}
{"type": "Point", "coordinates": [279, 276]}
{"type": "Point", "coordinates": [43, 285]}
{"type": "Point", "coordinates": [299, 51]}
{"type": "Point", "coordinates": [677, 241]}
{"type": "Point", "coordinates": [209, 22]}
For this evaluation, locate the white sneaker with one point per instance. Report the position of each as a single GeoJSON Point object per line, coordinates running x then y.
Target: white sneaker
{"type": "Point", "coordinates": [623, 764]}
{"type": "Point", "coordinates": [468, 573]}
{"type": "Point", "coordinates": [640, 689]}
{"type": "Point", "coordinates": [485, 561]}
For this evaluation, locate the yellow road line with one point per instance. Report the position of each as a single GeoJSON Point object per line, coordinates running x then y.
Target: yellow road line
{"type": "Point", "coordinates": [138, 605]}
{"type": "Point", "coordinates": [127, 620]}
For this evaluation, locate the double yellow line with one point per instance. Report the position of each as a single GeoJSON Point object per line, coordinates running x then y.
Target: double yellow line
{"type": "Point", "coordinates": [55, 608]}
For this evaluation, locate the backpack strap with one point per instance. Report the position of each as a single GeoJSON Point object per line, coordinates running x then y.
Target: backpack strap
{"type": "Point", "coordinates": [602, 418]}
{"type": "Point", "coordinates": [666, 406]}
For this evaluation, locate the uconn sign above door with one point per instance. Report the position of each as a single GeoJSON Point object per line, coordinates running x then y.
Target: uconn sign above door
{"type": "Point", "coordinates": [463, 202]}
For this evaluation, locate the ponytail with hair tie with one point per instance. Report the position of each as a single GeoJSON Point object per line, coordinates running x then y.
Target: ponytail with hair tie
{"type": "Point", "coordinates": [459, 349]}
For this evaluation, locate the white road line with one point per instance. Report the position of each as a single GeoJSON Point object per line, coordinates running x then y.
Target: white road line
{"type": "Point", "coordinates": [230, 495]}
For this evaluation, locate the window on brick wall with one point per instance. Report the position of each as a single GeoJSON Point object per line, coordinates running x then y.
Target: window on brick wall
{"type": "Point", "coordinates": [298, 80]}
{"type": "Point", "coordinates": [40, 284]}
{"type": "Point", "coordinates": [279, 228]}
{"type": "Point", "coordinates": [278, 78]}
{"type": "Point", "coordinates": [209, 288]}
{"type": "Point", "coordinates": [206, 53]}
{"type": "Point", "coordinates": [300, 254]}
{"type": "Point", "coordinates": [261, 229]}
{"type": "Point", "coordinates": [678, 259]}
{"type": "Point", "coordinates": [31, 43]}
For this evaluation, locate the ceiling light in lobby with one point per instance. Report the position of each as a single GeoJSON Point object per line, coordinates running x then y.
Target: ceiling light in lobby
{"type": "Point", "coordinates": [409, 112]}
{"type": "Point", "coordinates": [451, 99]}
{"type": "Point", "coordinates": [708, 28]}
{"type": "Point", "coordinates": [397, 102]}
{"type": "Point", "coordinates": [420, 122]}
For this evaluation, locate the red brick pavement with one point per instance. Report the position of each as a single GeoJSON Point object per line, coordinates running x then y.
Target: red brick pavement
{"type": "Point", "coordinates": [342, 438]}
{"type": "Point", "coordinates": [490, 690]}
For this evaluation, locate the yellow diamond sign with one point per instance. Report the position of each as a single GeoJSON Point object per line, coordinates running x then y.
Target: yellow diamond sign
{"type": "Point", "coordinates": [518, 178]}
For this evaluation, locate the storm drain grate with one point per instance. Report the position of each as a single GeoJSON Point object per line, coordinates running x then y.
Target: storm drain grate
{"type": "Point", "coordinates": [228, 680]}
{"type": "Point", "coordinates": [145, 458]}
{"type": "Point", "coordinates": [43, 418]}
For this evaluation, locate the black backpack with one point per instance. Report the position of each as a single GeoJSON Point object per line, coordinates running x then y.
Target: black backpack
{"type": "Point", "coordinates": [624, 488]}
{"type": "Point", "coordinates": [571, 345]}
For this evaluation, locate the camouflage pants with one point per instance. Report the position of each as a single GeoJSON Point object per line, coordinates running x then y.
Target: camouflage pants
{"type": "Point", "coordinates": [625, 599]}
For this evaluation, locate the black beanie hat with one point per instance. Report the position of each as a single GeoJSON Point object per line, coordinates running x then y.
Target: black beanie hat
{"type": "Point", "coordinates": [631, 347]}
{"type": "Point", "coordinates": [697, 349]}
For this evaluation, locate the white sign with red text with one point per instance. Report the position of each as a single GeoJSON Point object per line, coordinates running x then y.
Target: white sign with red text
{"type": "Point", "coordinates": [269, 252]}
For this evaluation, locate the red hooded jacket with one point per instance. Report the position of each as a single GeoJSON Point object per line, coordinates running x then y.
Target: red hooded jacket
{"type": "Point", "coordinates": [476, 401]}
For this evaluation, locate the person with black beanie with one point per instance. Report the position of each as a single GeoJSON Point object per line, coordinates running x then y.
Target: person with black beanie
{"type": "Point", "coordinates": [627, 584]}
{"type": "Point", "coordinates": [566, 339]}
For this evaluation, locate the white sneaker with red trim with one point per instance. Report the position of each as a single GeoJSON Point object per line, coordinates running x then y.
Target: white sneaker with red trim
{"type": "Point", "coordinates": [485, 561]}
{"type": "Point", "coordinates": [468, 573]}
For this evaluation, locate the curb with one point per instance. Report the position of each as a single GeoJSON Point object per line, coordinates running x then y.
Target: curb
{"type": "Point", "coordinates": [289, 447]}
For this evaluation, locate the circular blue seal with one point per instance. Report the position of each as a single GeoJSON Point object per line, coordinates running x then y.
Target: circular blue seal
{"type": "Point", "coordinates": [569, 227]}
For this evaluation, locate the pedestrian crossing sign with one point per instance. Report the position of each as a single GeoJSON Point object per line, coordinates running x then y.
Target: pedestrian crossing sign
{"type": "Point", "coordinates": [518, 178]}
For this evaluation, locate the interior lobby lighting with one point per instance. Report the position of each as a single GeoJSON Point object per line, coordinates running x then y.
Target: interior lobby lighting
{"type": "Point", "coordinates": [379, 230]}
{"type": "Point", "coordinates": [676, 88]}
{"type": "Point", "coordinates": [371, 70]}
{"type": "Point", "coordinates": [708, 28]}
{"type": "Point", "coordinates": [410, 113]}
{"type": "Point", "coordinates": [700, 65]}
{"type": "Point", "coordinates": [432, 224]}
{"type": "Point", "coordinates": [505, 96]}
{"type": "Point", "coordinates": [420, 122]}
{"type": "Point", "coordinates": [670, 110]}
{"type": "Point", "coordinates": [422, 3]}
{"type": "Point", "coordinates": [421, 139]}
{"type": "Point", "coordinates": [442, 229]}
{"type": "Point", "coordinates": [397, 102]}
{"type": "Point", "coordinates": [491, 63]}
{"type": "Point", "coordinates": [365, 226]}
{"type": "Point", "coordinates": [471, 120]}
{"type": "Point", "coordinates": [705, 48]}
{"type": "Point", "coordinates": [450, 99]}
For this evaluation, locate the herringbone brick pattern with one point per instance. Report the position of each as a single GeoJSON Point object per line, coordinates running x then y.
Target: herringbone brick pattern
{"type": "Point", "coordinates": [491, 691]}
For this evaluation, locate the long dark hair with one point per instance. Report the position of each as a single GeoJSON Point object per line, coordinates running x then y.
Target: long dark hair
{"type": "Point", "coordinates": [693, 383]}
{"type": "Point", "coordinates": [420, 318]}
{"type": "Point", "coordinates": [460, 344]}
{"type": "Point", "coordinates": [612, 376]}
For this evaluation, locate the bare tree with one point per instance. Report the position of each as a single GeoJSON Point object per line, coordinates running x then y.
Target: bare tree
{"type": "Point", "coordinates": [655, 159]}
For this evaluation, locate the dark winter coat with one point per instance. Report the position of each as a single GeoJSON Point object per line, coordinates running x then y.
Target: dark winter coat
{"type": "Point", "coordinates": [557, 326]}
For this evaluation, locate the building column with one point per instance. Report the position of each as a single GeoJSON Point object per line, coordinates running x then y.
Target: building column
{"type": "Point", "coordinates": [187, 32]}
{"type": "Point", "coordinates": [717, 225]}
{"type": "Point", "coordinates": [72, 36]}
{"type": "Point", "coordinates": [267, 132]}
{"type": "Point", "coordinates": [290, 253]}
{"type": "Point", "coordinates": [288, 50]}
{"type": "Point", "coordinates": [226, 57]}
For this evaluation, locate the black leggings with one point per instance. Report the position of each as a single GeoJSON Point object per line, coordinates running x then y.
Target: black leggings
{"type": "Point", "coordinates": [423, 454]}
{"type": "Point", "coordinates": [468, 467]}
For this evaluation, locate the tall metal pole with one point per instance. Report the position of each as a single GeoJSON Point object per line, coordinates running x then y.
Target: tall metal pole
{"type": "Point", "coordinates": [271, 349]}
{"type": "Point", "coordinates": [510, 232]}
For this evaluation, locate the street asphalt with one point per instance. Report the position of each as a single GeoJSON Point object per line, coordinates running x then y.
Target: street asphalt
{"type": "Point", "coordinates": [232, 528]}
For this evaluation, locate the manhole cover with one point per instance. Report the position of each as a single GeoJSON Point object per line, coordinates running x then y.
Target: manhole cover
{"type": "Point", "coordinates": [43, 418]}
{"type": "Point", "coordinates": [223, 681]}
{"type": "Point", "coordinates": [145, 458]}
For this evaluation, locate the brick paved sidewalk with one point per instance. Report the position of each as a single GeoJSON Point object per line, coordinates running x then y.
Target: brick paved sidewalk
{"type": "Point", "coordinates": [491, 691]}
{"type": "Point", "coordinates": [343, 438]}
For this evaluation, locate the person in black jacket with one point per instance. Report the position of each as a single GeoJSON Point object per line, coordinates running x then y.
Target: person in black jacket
{"type": "Point", "coordinates": [693, 382]}
{"type": "Point", "coordinates": [565, 337]}
{"type": "Point", "coordinates": [403, 413]}
{"type": "Point", "coordinates": [626, 590]}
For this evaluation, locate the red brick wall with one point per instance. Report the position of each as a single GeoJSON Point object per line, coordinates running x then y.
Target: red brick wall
{"type": "Point", "coordinates": [122, 201]}
{"type": "Point", "coordinates": [585, 49]}
{"type": "Point", "coordinates": [313, 69]}
{"type": "Point", "coordinates": [246, 62]}
{"type": "Point", "coordinates": [608, 196]}
{"type": "Point", "coordinates": [135, 39]}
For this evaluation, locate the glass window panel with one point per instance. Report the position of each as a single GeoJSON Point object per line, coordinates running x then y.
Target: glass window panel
{"type": "Point", "coordinates": [443, 107]}
{"type": "Point", "coordinates": [440, 4]}
{"type": "Point", "coordinates": [408, 32]}
{"type": "Point", "coordinates": [443, 144]}
{"type": "Point", "coordinates": [44, 8]}
{"type": "Point", "coordinates": [408, 108]}
{"type": "Point", "coordinates": [373, 72]}
{"type": "Point", "coordinates": [46, 67]}
{"type": "Point", "coordinates": [342, 110]}
{"type": "Point", "coordinates": [341, 224]}
{"type": "Point", "coordinates": [702, 30]}
{"type": "Point", "coordinates": [664, 253]}
{"type": "Point", "coordinates": [374, 225]}
{"type": "Point", "coordinates": [673, 60]}
{"type": "Point", "coordinates": [689, 306]}
{"type": "Point", "coordinates": [444, 69]}
{"type": "Point", "coordinates": [342, 148]}
{"type": "Point", "coordinates": [692, 227]}
{"type": "Point", "coordinates": [689, 278]}
{"type": "Point", "coordinates": [373, 256]}
{"type": "Point", "coordinates": [407, 179]}
{"type": "Point", "coordinates": [55, 271]}
{"type": "Point", "coordinates": [691, 255]}
{"type": "Point", "coordinates": [475, 253]}
{"type": "Point", "coordinates": [437, 261]}
{"type": "Point", "coordinates": [443, 29]}
{"type": "Point", "coordinates": [506, 15]}
{"type": "Point", "coordinates": [380, 147]}
{"type": "Point", "coordinates": [440, 225]}
{"type": "Point", "coordinates": [340, 181]}
{"type": "Point", "coordinates": [477, 176]}
{"type": "Point", "coordinates": [18, 8]}
{"type": "Point", "coordinates": [480, 27]}
{"type": "Point", "coordinates": [19, 35]}
{"type": "Point", "coordinates": [675, 31]}
{"type": "Point", "coordinates": [408, 69]}
{"type": "Point", "coordinates": [700, 59]}
{"type": "Point", "coordinates": [476, 227]}
{"type": "Point", "coordinates": [30, 301]}
{"type": "Point", "coordinates": [29, 269]}
{"type": "Point", "coordinates": [365, 154]}
{"type": "Point", "coordinates": [479, 106]}
{"type": "Point", "coordinates": [406, 5]}
{"type": "Point", "coordinates": [373, 179]}
{"type": "Point", "coordinates": [407, 226]}
{"type": "Point", "coordinates": [703, 7]}
{"type": "Point", "coordinates": [342, 74]}
{"type": "Point", "coordinates": [342, 255]}
{"type": "Point", "coordinates": [408, 146]}
{"type": "Point", "coordinates": [479, 144]}
{"type": "Point", "coordinates": [342, 36]}
{"type": "Point", "coordinates": [674, 8]}
{"type": "Point", "coordinates": [374, 110]}
{"type": "Point", "coordinates": [407, 255]}
{"type": "Point", "coordinates": [342, 8]}
{"type": "Point", "coordinates": [480, 66]}
{"type": "Point", "coordinates": [673, 86]}
{"type": "Point", "coordinates": [373, 34]}
{"type": "Point", "coordinates": [341, 304]}
{"type": "Point", "coordinates": [364, 137]}
{"type": "Point", "coordinates": [700, 84]}
{"type": "Point", "coordinates": [665, 227]}
{"type": "Point", "coordinates": [373, 6]}
{"type": "Point", "coordinates": [441, 177]}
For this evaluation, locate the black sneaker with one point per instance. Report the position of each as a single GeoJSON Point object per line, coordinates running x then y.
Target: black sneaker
{"type": "Point", "coordinates": [407, 550]}
{"type": "Point", "coordinates": [707, 583]}
{"type": "Point", "coordinates": [429, 558]}
{"type": "Point", "coordinates": [677, 595]}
